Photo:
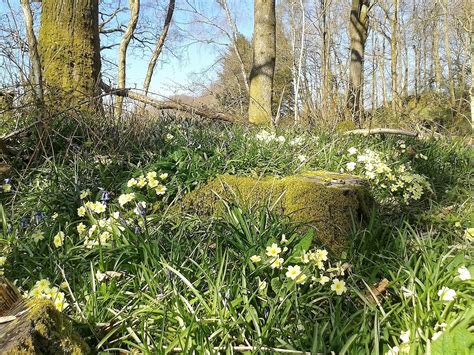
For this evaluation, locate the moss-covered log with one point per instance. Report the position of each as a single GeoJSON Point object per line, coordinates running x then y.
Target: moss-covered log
{"type": "Point", "coordinates": [328, 202]}
{"type": "Point", "coordinates": [70, 52]}
{"type": "Point", "coordinates": [34, 326]}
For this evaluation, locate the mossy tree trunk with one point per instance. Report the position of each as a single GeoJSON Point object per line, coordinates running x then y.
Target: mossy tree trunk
{"type": "Point", "coordinates": [358, 29]}
{"type": "Point", "coordinates": [263, 68]}
{"type": "Point", "coordinates": [70, 52]}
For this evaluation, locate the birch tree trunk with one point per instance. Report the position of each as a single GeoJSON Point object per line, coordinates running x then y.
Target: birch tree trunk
{"type": "Point", "coordinates": [122, 54]}
{"type": "Point", "coordinates": [394, 56]}
{"type": "Point", "coordinates": [263, 68]}
{"type": "Point", "coordinates": [447, 52]}
{"type": "Point", "coordinates": [69, 49]}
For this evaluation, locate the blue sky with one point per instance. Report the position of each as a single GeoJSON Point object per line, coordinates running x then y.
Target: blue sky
{"type": "Point", "coordinates": [190, 57]}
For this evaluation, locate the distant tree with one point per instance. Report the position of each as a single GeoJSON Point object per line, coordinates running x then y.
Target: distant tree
{"type": "Point", "coordinates": [70, 53]}
{"type": "Point", "coordinates": [263, 67]}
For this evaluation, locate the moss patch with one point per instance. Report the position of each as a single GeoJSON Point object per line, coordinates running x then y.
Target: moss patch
{"type": "Point", "coordinates": [325, 201]}
{"type": "Point", "coordinates": [39, 329]}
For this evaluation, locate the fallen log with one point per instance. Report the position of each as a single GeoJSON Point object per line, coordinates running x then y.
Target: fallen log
{"type": "Point", "coordinates": [168, 105]}
{"type": "Point", "coordinates": [366, 132]}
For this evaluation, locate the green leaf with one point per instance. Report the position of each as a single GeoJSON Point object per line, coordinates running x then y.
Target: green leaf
{"type": "Point", "coordinates": [304, 244]}
{"type": "Point", "coordinates": [276, 284]}
{"type": "Point", "coordinates": [458, 340]}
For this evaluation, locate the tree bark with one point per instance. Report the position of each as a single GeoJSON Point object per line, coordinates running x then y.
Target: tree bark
{"type": "Point", "coordinates": [435, 47]}
{"type": "Point", "coordinates": [263, 68]}
{"type": "Point", "coordinates": [35, 63]}
{"type": "Point", "coordinates": [122, 54]}
{"type": "Point", "coordinates": [159, 46]}
{"type": "Point", "coordinates": [447, 52]}
{"type": "Point", "coordinates": [70, 52]}
{"type": "Point", "coordinates": [358, 29]}
{"type": "Point", "coordinates": [394, 57]}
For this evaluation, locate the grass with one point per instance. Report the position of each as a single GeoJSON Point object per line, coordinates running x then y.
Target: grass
{"type": "Point", "coordinates": [162, 281]}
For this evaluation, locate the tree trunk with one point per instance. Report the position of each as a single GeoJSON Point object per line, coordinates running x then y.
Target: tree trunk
{"type": "Point", "coordinates": [159, 46]}
{"type": "Point", "coordinates": [447, 52]}
{"type": "Point", "coordinates": [325, 61]}
{"type": "Point", "coordinates": [70, 52]}
{"type": "Point", "coordinates": [394, 57]}
{"type": "Point", "coordinates": [122, 55]}
{"type": "Point", "coordinates": [358, 28]}
{"type": "Point", "coordinates": [435, 47]}
{"type": "Point", "coordinates": [263, 68]}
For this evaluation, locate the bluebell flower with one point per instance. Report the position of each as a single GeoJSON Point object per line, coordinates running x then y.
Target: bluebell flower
{"type": "Point", "coordinates": [105, 197]}
{"type": "Point", "coordinates": [39, 217]}
{"type": "Point", "coordinates": [24, 222]}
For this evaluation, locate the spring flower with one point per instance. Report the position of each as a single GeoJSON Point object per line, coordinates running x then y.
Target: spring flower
{"type": "Point", "coordinates": [323, 280]}
{"type": "Point", "coordinates": [151, 175]}
{"type": "Point", "coordinates": [302, 158]}
{"type": "Point", "coordinates": [64, 285]}
{"type": "Point", "coordinates": [293, 272]}
{"type": "Point", "coordinates": [42, 285]}
{"type": "Point", "coordinates": [152, 183]}
{"type": "Point", "coordinates": [350, 166]}
{"type": "Point", "coordinates": [352, 151]}
{"type": "Point", "coordinates": [81, 228]}
{"type": "Point", "coordinates": [273, 250]}
{"type": "Point", "coordinates": [160, 190]}
{"type": "Point", "coordinates": [132, 182]}
{"type": "Point", "coordinates": [405, 337]}
{"type": "Point", "coordinates": [141, 182]}
{"type": "Point", "coordinates": [37, 236]}
{"type": "Point", "coordinates": [6, 187]}
{"type": "Point", "coordinates": [3, 260]}
{"type": "Point", "coordinates": [338, 286]}
{"type": "Point", "coordinates": [256, 258]}
{"type": "Point", "coordinates": [84, 194]}
{"type": "Point", "coordinates": [469, 234]}
{"type": "Point", "coordinates": [283, 239]}
{"type": "Point", "coordinates": [277, 263]}
{"type": "Point", "coordinates": [104, 237]}
{"type": "Point", "coordinates": [457, 224]}
{"type": "Point", "coordinates": [168, 137]}
{"type": "Point", "coordinates": [125, 198]}
{"type": "Point", "coordinates": [262, 285]}
{"type": "Point", "coordinates": [58, 239]}
{"type": "Point", "coordinates": [81, 211]}
{"type": "Point", "coordinates": [99, 207]}
{"type": "Point", "coordinates": [464, 273]}
{"type": "Point", "coordinates": [446, 294]}
{"type": "Point", "coordinates": [164, 176]}
{"type": "Point", "coordinates": [301, 279]}
{"type": "Point", "coordinates": [321, 254]}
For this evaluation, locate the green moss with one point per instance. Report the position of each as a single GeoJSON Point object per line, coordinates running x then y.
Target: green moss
{"type": "Point", "coordinates": [325, 201]}
{"type": "Point", "coordinates": [40, 330]}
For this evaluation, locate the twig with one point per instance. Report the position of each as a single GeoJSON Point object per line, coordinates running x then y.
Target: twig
{"type": "Point", "coordinates": [367, 132]}
{"type": "Point", "coordinates": [243, 348]}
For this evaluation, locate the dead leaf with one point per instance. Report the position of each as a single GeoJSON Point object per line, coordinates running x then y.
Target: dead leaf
{"type": "Point", "coordinates": [7, 319]}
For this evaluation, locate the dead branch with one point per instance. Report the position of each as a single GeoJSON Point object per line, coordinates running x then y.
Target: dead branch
{"type": "Point", "coordinates": [366, 132]}
{"type": "Point", "coordinates": [168, 105]}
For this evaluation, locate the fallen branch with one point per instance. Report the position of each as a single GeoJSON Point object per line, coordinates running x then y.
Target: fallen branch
{"type": "Point", "coordinates": [168, 105]}
{"type": "Point", "coordinates": [367, 132]}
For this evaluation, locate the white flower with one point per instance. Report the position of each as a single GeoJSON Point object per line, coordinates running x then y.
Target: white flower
{"type": "Point", "coordinates": [323, 279]}
{"type": "Point", "coordinates": [293, 272]}
{"type": "Point", "coordinates": [464, 273]}
{"type": "Point", "coordinates": [281, 139]}
{"type": "Point", "coordinates": [58, 239]}
{"type": "Point", "coordinates": [350, 166]}
{"type": "Point", "coordinates": [256, 258]}
{"type": "Point", "coordinates": [277, 263]}
{"type": "Point", "coordinates": [405, 337]}
{"type": "Point", "coordinates": [273, 250]}
{"type": "Point", "coordinates": [352, 150]}
{"type": "Point", "coordinates": [338, 286]}
{"type": "Point", "coordinates": [446, 294]}
{"type": "Point", "coordinates": [302, 158]}
{"type": "Point", "coordinates": [3, 260]}
{"type": "Point", "coordinates": [407, 293]}
{"type": "Point", "coordinates": [125, 198]}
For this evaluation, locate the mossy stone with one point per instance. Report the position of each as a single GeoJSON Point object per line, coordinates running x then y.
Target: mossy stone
{"type": "Point", "coordinates": [328, 202]}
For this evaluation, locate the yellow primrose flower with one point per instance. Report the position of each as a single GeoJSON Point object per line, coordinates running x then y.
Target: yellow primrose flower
{"type": "Point", "coordinates": [37, 236]}
{"type": "Point", "coordinates": [81, 211]}
{"type": "Point", "coordinates": [54, 216]}
{"type": "Point", "coordinates": [256, 258]}
{"type": "Point", "coordinates": [293, 272]}
{"type": "Point", "coordinates": [36, 292]}
{"type": "Point", "coordinates": [338, 286]}
{"type": "Point", "coordinates": [84, 194]}
{"type": "Point", "coordinates": [104, 237]}
{"type": "Point", "coordinates": [469, 234]}
{"type": "Point", "coordinates": [164, 176]}
{"type": "Point", "coordinates": [132, 182]}
{"type": "Point", "coordinates": [152, 183]}
{"type": "Point", "coordinates": [277, 263]}
{"type": "Point", "coordinates": [161, 190]}
{"type": "Point", "coordinates": [64, 285]}
{"type": "Point", "coordinates": [273, 250]}
{"type": "Point", "coordinates": [323, 280]}
{"type": "Point", "coordinates": [6, 187]}
{"type": "Point", "coordinates": [58, 239]}
{"type": "Point", "coordinates": [3, 260]}
{"type": "Point", "coordinates": [322, 254]}
{"type": "Point", "coordinates": [42, 285]}
{"type": "Point", "coordinates": [125, 198]}
{"type": "Point", "coordinates": [90, 205]}
{"type": "Point", "coordinates": [151, 175]}
{"type": "Point", "coordinates": [60, 305]}
{"type": "Point", "coordinates": [141, 182]}
{"type": "Point", "coordinates": [301, 279]}
{"type": "Point", "coordinates": [81, 228]}
{"type": "Point", "coordinates": [99, 207]}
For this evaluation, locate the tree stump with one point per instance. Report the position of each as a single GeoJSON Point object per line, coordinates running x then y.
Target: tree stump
{"type": "Point", "coordinates": [34, 326]}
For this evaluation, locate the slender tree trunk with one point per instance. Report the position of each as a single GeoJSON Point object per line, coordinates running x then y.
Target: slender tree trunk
{"type": "Point", "coordinates": [35, 63]}
{"type": "Point", "coordinates": [122, 55]}
{"type": "Point", "coordinates": [233, 37]}
{"type": "Point", "coordinates": [394, 57]}
{"type": "Point", "coordinates": [435, 47]}
{"type": "Point", "coordinates": [70, 53]}
{"type": "Point", "coordinates": [263, 68]}
{"type": "Point", "coordinates": [300, 63]}
{"type": "Point", "coordinates": [325, 61]}
{"type": "Point", "coordinates": [358, 29]}
{"type": "Point", "coordinates": [447, 52]}
{"type": "Point", "coordinates": [382, 72]}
